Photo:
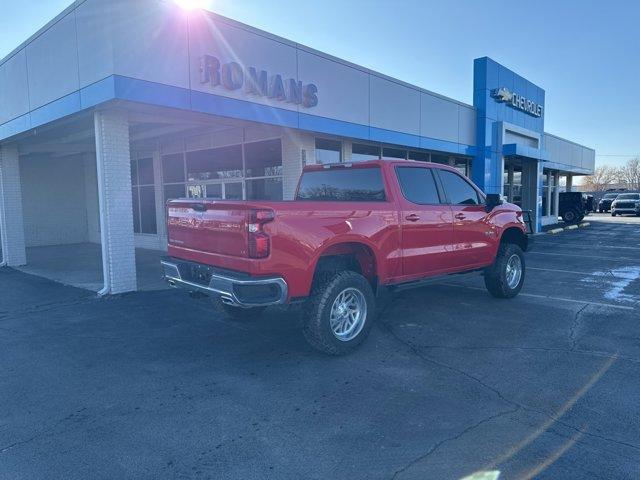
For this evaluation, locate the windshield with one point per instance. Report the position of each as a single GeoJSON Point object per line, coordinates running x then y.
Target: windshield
{"type": "Point", "coordinates": [610, 195]}
{"type": "Point", "coordinates": [629, 196]}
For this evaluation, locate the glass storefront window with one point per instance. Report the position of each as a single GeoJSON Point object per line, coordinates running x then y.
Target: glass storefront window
{"type": "Point", "coordinates": [394, 153]}
{"type": "Point", "coordinates": [222, 162]}
{"type": "Point", "coordinates": [263, 159]}
{"type": "Point", "coordinates": [171, 192]}
{"type": "Point", "coordinates": [443, 159]}
{"type": "Point", "coordinates": [419, 156]}
{"type": "Point", "coordinates": [148, 210]}
{"type": "Point", "coordinates": [512, 182]}
{"type": "Point", "coordinates": [173, 168]}
{"type": "Point", "coordinates": [143, 196]}
{"type": "Point", "coordinates": [135, 197]}
{"type": "Point", "coordinates": [545, 193]}
{"type": "Point", "coordinates": [361, 152]}
{"type": "Point", "coordinates": [328, 151]}
{"type": "Point", "coordinates": [196, 191]}
{"type": "Point", "coordinates": [263, 189]}
{"type": "Point", "coordinates": [463, 165]}
{"type": "Point", "coordinates": [145, 171]}
{"type": "Point", "coordinates": [213, 190]}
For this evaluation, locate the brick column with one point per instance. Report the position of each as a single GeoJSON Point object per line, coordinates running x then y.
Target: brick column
{"type": "Point", "coordinates": [293, 144]}
{"type": "Point", "coordinates": [116, 208]}
{"type": "Point", "coordinates": [11, 217]}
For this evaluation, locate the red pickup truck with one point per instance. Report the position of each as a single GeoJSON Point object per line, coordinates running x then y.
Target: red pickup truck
{"type": "Point", "coordinates": [352, 230]}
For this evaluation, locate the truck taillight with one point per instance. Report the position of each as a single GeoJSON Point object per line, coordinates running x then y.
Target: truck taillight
{"type": "Point", "coordinates": [259, 242]}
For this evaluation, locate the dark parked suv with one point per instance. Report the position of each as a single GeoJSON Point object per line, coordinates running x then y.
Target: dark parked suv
{"type": "Point", "coordinates": [574, 206]}
{"type": "Point", "coordinates": [604, 205]}
{"type": "Point", "coordinates": [626, 203]}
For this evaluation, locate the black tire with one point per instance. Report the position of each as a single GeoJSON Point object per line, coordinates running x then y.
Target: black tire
{"type": "Point", "coordinates": [613, 214]}
{"type": "Point", "coordinates": [238, 313]}
{"type": "Point", "coordinates": [495, 276]}
{"type": "Point", "coordinates": [570, 216]}
{"type": "Point", "coordinates": [317, 312]}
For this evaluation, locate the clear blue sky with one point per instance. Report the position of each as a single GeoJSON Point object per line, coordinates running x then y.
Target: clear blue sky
{"type": "Point", "coordinates": [584, 53]}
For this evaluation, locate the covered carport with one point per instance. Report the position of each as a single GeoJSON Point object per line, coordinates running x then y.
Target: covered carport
{"type": "Point", "coordinates": [67, 209]}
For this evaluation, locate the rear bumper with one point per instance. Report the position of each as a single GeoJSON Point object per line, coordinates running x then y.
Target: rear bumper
{"type": "Point", "coordinates": [234, 288]}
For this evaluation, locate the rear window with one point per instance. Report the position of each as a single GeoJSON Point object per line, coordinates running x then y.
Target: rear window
{"type": "Point", "coordinates": [342, 184]}
{"type": "Point", "coordinates": [628, 196]}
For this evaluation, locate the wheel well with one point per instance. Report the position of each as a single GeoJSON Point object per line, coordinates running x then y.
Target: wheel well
{"type": "Point", "coordinates": [516, 236]}
{"type": "Point", "coordinates": [349, 256]}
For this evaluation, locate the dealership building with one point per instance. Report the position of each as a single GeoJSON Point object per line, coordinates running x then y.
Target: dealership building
{"type": "Point", "coordinates": [116, 106]}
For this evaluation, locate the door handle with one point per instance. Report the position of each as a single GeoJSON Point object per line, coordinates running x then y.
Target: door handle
{"type": "Point", "coordinates": [460, 216]}
{"type": "Point", "coordinates": [413, 217]}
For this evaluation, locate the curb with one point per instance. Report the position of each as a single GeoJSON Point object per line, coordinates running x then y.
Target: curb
{"type": "Point", "coordinates": [555, 231]}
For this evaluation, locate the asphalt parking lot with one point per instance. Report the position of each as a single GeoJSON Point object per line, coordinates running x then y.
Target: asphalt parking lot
{"type": "Point", "coordinates": [451, 381]}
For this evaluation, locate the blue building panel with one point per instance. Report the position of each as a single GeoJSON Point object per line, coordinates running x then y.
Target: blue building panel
{"type": "Point", "coordinates": [62, 107]}
{"type": "Point", "coordinates": [98, 92]}
{"type": "Point", "coordinates": [331, 126]}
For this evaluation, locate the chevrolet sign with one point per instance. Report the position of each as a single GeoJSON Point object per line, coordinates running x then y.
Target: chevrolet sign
{"type": "Point", "coordinates": [503, 95]}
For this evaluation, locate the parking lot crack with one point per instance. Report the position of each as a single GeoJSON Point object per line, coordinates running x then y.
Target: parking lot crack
{"type": "Point", "coordinates": [453, 438]}
{"type": "Point", "coordinates": [416, 351]}
{"type": "Point", "coordinates": [554, 417]}
{"type": "Point", "coordinates": [41, 432]}
{"type": "Point", "coordinates": [575, 325]}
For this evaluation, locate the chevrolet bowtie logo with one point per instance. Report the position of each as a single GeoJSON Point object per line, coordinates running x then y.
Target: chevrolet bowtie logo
{"type": "Point", "coordinates": [502, 94]}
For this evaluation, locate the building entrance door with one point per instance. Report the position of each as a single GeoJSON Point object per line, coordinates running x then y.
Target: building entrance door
{"type": "Point", "coordinates": [513, 181]}
{"type": "Point", "coordinates": [520, 184]}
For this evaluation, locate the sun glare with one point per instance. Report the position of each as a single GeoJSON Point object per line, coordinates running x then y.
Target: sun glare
{"type": "Point", "coordinates": [192, 4]}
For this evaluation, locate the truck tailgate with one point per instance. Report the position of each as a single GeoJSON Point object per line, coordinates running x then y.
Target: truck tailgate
{"type": "Point", "coordinates": [208, 226]}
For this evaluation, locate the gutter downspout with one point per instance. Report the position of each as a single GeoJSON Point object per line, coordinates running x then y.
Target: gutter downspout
{"type": "Point", "coordinates": [104, 236]}
{"type": "Point", "coordinates": [3, 263]}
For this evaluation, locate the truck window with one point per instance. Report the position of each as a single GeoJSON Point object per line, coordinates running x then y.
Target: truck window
{"type": "Point", "coordinates": [458, 190]}
{"type": "Point", "coordinates": [342, 184]}
{"type": "Point", "coordinates": [418, 185]}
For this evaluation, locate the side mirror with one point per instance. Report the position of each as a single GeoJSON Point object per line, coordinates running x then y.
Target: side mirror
{"type": "Point", "coordinates": [493, 200]}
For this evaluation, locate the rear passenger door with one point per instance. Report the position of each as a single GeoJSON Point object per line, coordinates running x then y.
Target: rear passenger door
{"type": "Point", "coordinates": [427, 224]}
{"type": "Point", "coordinates": [472, 233]}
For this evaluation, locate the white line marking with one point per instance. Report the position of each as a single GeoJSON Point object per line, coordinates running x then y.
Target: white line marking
{"type": "Point", "coordinates": [581, 256]}
{"type": "Point", "coordinates": [562, 271]}
{"type": "Point", "coordinates": [580, 245]}
{"type": "Point", "coordinates": [545, 297]}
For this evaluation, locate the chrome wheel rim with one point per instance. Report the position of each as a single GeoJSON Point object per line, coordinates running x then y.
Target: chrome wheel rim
{"type": "Point", "coordinates": [348, 314]}
{"type": "Point", "coordinates": [514, 271]}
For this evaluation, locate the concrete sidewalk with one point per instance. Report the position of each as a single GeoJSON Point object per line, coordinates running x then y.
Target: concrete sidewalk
{"type": "Point", "coordinates": [80, 265]}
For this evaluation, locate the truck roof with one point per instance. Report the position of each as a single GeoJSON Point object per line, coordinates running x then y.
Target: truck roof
{"type": "Point", "coordinates": [379, 162]}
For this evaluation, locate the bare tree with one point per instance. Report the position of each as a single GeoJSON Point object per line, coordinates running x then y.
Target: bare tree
{"type": "Point", "coordinates": [603, 176]}
{"type": "Point", "coordinates": [629, 175]}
